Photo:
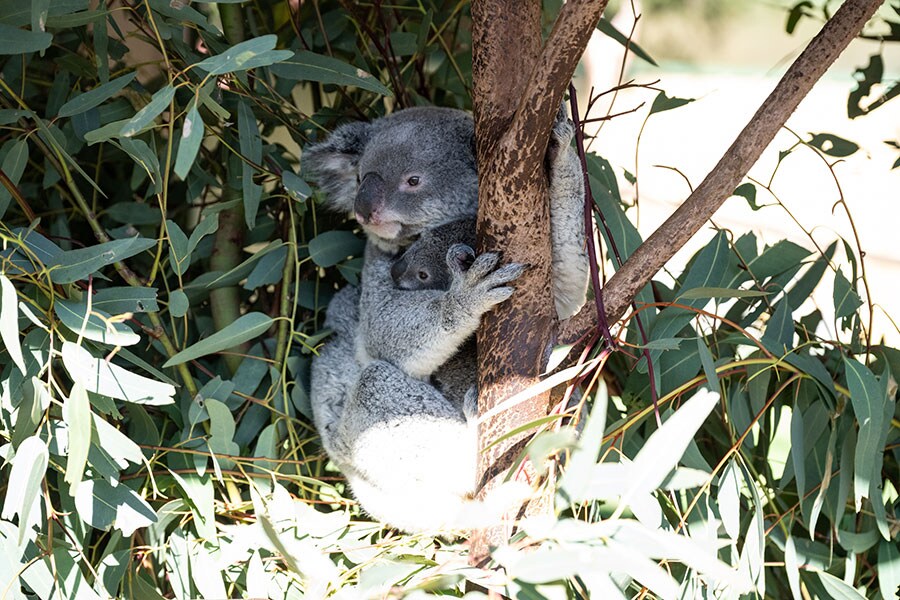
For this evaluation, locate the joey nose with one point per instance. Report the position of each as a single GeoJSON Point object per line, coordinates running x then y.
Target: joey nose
{"type": "Point", "coordinates": [370, 197]}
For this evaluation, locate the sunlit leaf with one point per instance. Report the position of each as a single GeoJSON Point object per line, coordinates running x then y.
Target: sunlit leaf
{"type": "Point", "coordinates": [77, 416]}
{"type": "Point", "coordinates": [105, 506]}
{"type": "Point", "coordinates": [9, 322]}
{"type": "Point", "coordinates": [102, 377]}
{"type": "Point", "coordinates": [662, 450]}
{"type": "Point", "coordinates": [97, 326]}
{"type": "Point", "coordinates": [24, 484]}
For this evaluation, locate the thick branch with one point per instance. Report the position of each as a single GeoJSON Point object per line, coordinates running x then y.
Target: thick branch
{"type": "Point", "coordinates": [650, 257]}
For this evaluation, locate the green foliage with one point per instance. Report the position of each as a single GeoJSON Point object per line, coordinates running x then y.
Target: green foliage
{"type": "Point", "coordinates": [155, 432]}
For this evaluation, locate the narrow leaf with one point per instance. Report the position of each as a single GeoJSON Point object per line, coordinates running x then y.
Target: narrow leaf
{"type": "Point", "coordinates": [717, 292]}
{"type": "Point", "coordinates": [103, 377]}
{"type": "Point", "coordinates": [307, 66]}
{"type": "Point", "coordinates": [73, 265]}
{"type": "Point", "coordinates": [257, 52]}
{"type": "Point", "coordinates": [96, 96]}
{"type": "Point", "coordinates": [867, 406]}
{"type": "Point", "coordinates": [9, 322]}
{"type": "Point", "coordinates": [245, 328]}
{"type": "Point", "coordinates": [158, 103]}
{"type": "Point", "coordinates": [24, 485]}
{"type": "Point", "coordinates": [191, 137]}
{"type": "Point", "coordinates": [97, 326]}
{"type": "Point", "coordinates": [21, 41]}
{"type": "Point", "coordinates": [77, 416]}
{"type": "Point", "coordinates": [662, 450]}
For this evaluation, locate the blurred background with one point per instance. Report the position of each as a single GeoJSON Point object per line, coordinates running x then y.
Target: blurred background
{"type": "Point", "coordinates": [728, 55]}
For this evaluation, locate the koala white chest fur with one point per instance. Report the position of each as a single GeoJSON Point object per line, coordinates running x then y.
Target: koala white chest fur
{"type": "Point", "coordinates": [407, 446]}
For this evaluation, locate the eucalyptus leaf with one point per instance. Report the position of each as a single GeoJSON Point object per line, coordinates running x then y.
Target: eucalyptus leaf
{"type": "Point", "coordinates": [9, 322]}
{"type": "Point", "coordinates": [661, 452]}
{"type": "Point", "coordinates": [97, 325]}
{"type": "Point", "coordinates": [77, 416]}
{"type": "Point", "coordinates": [256, 52]}
{"type": "Point", "coordinates": [178, 303]}
{"type": "Point", "coordinates": [72, 265]}
{"type": "Point", "coordinates": [20, 41]}
{"type": "Point", "coordinates": [191, 137]}
{"type": "Point", "coordinates": [24, 484]}
{"type": "Point", "coordinates": [246, 328]}
{"type": "Point", "coordinates": [102, 377]}
{"type": "Point", "coordinates": [95, 97]}
{"type": "Point", "coordinates": [307, 66]}
{"type": "Point", "coordinates": [158, 103]}
{"type": "Point", "coordinates": [331, 247]}
{"type": "Point", "coordinates": [105, 506]}
{"type": "Point", "coordinates": [866, 398]}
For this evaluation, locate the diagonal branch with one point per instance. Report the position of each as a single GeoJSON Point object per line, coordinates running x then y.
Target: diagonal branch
{"type": "Point", "coordinates": [650, 257]}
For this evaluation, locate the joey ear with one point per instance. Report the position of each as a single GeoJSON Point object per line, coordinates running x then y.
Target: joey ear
{"type": "Point", "coordinates": [333, 164]}
{"type": "Point", "coordinates": [460, 258]}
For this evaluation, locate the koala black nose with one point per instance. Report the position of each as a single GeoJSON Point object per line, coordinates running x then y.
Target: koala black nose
{"type": "Point", "coordinates": [370, 196]}
{"type": "Point", "coordinates": [398, 269]}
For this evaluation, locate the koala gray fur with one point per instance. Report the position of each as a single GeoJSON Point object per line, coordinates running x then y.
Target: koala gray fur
{"type": "Point", "coordinates": [364, 170]}
{"type": "Point", "coordinates": [408, 450]}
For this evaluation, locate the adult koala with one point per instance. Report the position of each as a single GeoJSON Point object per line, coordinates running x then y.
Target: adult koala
{"type": "Point", "coordinates": [408, 450]}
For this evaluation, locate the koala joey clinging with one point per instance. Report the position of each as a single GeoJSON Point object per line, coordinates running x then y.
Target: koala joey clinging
{"type": "Point", "coordinates": [426, 265]}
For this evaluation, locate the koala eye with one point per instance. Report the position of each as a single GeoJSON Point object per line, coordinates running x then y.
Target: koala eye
{"type": "Point", "coordinates": [413, 181]}
{"type": "Point", "coordinates": [423, 275]}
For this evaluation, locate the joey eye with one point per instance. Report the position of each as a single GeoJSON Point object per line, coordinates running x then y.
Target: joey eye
{"type": "Point", "coordinates": [423, 275]}
{"type": "Point", "coordinates": [413, 181]}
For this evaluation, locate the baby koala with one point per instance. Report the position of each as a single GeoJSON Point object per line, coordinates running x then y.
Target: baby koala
{"type": "Point", "coordinates": [429, 263]}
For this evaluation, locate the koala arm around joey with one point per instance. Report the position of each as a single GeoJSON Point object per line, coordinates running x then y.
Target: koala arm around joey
{"type": "Point", "coordinates": [419, 330]}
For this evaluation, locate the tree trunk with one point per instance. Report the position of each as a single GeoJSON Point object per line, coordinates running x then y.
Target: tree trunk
{"type": "Point", "coordinates": [515, 101]}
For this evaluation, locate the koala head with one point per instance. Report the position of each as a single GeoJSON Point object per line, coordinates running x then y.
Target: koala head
{"type": "Point", "coordinates": [430, 262]}
{"type": "Point", "coordinates": [401, 174]}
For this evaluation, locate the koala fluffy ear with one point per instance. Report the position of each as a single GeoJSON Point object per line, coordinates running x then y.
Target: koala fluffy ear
{"type": "Point", "coordinates": [332, 164]}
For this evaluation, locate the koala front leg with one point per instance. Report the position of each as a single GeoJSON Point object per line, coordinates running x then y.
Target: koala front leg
{"type": "Point", "coordinates": [570, 263]}
{"type": "Point", "coordinates": [419, 330]}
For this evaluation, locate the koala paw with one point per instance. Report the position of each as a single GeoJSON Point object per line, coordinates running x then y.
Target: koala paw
{"type": "Point", "coordinates": [561, 135]}
{"type": "Point", "coordinates": [483, 285]}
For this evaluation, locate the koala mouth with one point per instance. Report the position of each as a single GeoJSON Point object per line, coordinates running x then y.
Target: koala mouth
{"type": "Point", "coordinates": [388, 230]}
